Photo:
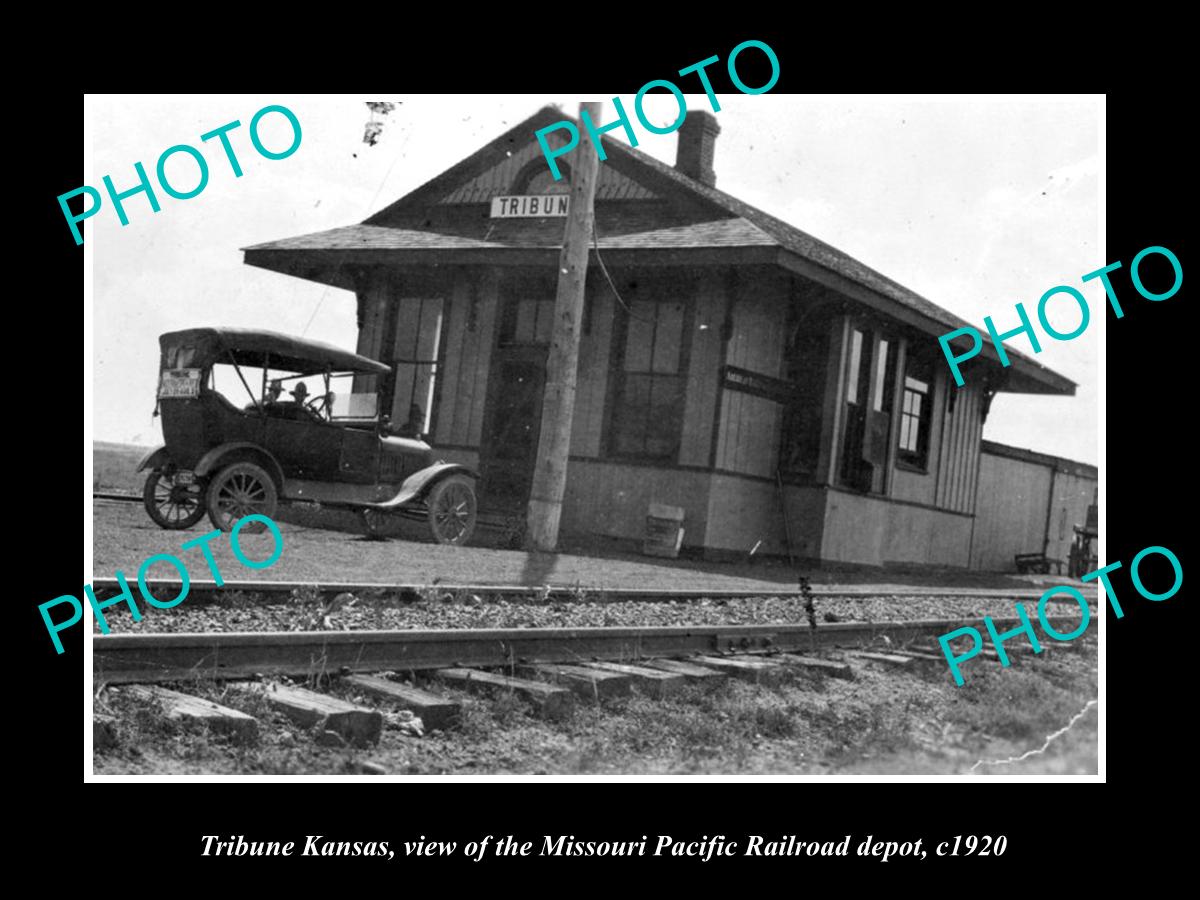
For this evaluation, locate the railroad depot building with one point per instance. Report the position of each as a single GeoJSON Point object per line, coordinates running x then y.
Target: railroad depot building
{"type": "Point", "coordinates": [745, 369]}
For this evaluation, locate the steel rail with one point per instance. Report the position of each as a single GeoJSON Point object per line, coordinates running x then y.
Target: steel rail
{"type": "Point", "coordinates": [210, 591]}
{"type": "Point", "coordinates": [124, 658]}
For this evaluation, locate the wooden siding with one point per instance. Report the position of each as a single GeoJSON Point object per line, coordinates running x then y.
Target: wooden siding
{"type": "Point", "coordinates": [742, 512]}
{"type": "Point", "coordinates": [1027, 506]}
{"type": "Point", "coordinates": [498, 181]}
{"type": "Point", "coordinates": [613, 499]}
{"type": "Point", "coordinates": [957, 463]}
{"type": "Point", "coordinates": [467, 357]}
{"type": "Point", "coordinates": [591, 389]}
{"type": "Point", "coordinates": [860, 528]}
{"type": "Point", "coordinates": [1013, 496]}
{"type": "Point", "coordinates": [748, 437]}
{"type": "Point", "coordinates": [703, 374]}
{"type": "Point", "coordinates": [1070, 497]}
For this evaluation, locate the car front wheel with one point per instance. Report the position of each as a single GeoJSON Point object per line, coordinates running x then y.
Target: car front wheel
{"type": "Point", "coordinates": [452, 510]}
{"type": "Point", "coordinates": [239, 490]}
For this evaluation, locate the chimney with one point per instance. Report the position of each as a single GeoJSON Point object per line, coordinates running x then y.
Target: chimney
{"type": "Point", "coordinates": [697, 142]}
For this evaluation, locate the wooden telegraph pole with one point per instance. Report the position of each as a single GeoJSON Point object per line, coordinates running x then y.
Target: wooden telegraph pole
{"type": "Point", "coordinates": [558, 402]}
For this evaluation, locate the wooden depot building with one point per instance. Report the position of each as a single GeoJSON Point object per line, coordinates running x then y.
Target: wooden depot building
{"type": "Point", "coordinates": [741, 369]}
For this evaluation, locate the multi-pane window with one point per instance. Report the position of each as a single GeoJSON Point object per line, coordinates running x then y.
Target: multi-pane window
{"type": "Point", "coordinates": [414, 364]}
{"type": "Point", "coordinates": [647, 415]}
{"type": "Point", "coordinates": [915, 413]}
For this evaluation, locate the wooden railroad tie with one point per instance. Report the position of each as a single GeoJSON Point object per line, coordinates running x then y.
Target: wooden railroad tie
{"type": "Point", "coordinates": [587, 682]}
{"type": "Point", "coordinates": [747, 668]}
{"type": "Point", "coordinates": [655, 683]}
{"type": "Point", "coordinates": [549, 700]}
{"type": "Point", "coordinates": [186, 708]}
{"type": "Point", "coordinates": [434, 711]}
{"type": "Point", "coordinates": [358, 725]}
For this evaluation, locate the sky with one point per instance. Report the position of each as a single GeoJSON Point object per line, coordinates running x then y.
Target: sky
{"type": "Point", "coordinates": [974, 203]}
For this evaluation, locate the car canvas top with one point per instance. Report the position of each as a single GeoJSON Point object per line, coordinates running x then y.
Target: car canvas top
{"type": "Point", "coordinates": [254, 348]}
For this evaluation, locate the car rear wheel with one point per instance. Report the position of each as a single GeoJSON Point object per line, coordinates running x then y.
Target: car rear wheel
{"type": "Point", "coordinates": [172, 503]}
{"type": "Point", "coordinates": [239, 490]}
{"type": "Point", "coordinates": [452, 510]}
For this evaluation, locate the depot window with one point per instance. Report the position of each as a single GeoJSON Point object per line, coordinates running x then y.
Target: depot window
{"type": "Point", "coordinates": [915, 413]}
{"type": "Point", "coordinates": [647, 412]}
{"type": "Point", "coordinates": [414, 362]}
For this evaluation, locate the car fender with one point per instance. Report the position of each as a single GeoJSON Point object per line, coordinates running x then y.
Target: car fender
{"type": "Point", "coordinates": [212, 460]}
{"type": "Point", "coordinates": [418, 484]}
{"type": "Point", "coordinates": [154, 459]}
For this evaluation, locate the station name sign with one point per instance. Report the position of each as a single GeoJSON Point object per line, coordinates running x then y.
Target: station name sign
{"type": "Point", "coordinates": [530, 206]}
{"type": "Point", "coordinates": [765, 386]}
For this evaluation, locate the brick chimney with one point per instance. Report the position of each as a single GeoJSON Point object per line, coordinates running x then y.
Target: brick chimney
{"type": "Point", "coordinates": [697, 143]}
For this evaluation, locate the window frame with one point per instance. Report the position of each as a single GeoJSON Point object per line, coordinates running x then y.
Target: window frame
{"type": "Point", "coordinates": [872, 349]}
{"type": "Point", "coordinates": [919, 369]}
{"type": "Point", "coordinates": [659, 292]}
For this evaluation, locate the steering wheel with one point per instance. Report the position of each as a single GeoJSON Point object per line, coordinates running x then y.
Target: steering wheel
{"type": "Point", "coordinates": [318, 405]}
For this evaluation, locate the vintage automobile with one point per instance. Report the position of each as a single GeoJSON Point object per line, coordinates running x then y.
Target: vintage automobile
{"type": "Point", "coordinates": [311, 433]}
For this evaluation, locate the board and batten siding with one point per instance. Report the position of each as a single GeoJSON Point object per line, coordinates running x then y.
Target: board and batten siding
{"type": "Point", "coordinates": [957, 463]}
{"type": "Point", "coordinates": [467, 348]}
{"type": "Point", "coordinates": [1012, 497]}
{"type": "Point", "coordinates": [499, 179]}
{"type": "Point", "coordinates": [703, 375]}
{"type": "Point", "coordinates": [1070, 497]}
{"type": "Point", "coordinates": [1028, 503]}
{"type": "Point", "coordinates": [591, 384]}
{"type": "Point", "coordinates": [613, 498]}
{"type": "Point", "coordinates": [748, 437]}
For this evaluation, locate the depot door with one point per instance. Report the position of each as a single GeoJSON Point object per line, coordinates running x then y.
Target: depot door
{"type": "Point", "coordinates": [511, 429]}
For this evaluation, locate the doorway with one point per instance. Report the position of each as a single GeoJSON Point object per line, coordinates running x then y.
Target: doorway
{"type": "Point", "coordinates": [866, 425]}
{"type": "Point", "coordinates": [512, 428]}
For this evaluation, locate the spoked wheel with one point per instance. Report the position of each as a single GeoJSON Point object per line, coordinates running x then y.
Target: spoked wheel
{"type": "Point", "coordinates": [241, 489]}
{"type": "Point", "coordinates": [173, 503]}
{"type": "Point", "coordinates": [452, 510]}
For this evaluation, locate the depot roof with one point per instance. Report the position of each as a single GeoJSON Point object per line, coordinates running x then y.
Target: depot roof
{"type": "Point", "coordinates": [701, 225]}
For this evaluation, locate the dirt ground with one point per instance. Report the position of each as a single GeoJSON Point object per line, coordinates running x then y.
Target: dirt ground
{"type": "Point", "coordinates": [124, 536]}
{"type": "Point", "coordinates": [883, 722]}
{"type": "Point", "coordinates": [326, 547]}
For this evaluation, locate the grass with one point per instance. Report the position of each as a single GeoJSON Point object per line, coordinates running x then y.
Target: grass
{"type": "Point", "coordinates": [883, 722]}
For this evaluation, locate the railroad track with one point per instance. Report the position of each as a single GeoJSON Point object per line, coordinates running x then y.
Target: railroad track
{"type": "Point", "coordinates": [279, 591]}
{"type": "Point", "coordinates": [116, 496]}
{"type": "Point", "coordinates": [549, 667]}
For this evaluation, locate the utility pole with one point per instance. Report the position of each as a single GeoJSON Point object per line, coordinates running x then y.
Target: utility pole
{"type": "Point", "coordinates": [558, 401]}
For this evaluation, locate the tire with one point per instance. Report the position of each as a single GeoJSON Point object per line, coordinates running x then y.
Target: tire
{"type": "Point", "coordinates": [172, 506]}
{"type": "Point", "coordinates": [452, 510]}
{"type": "Point", "coordinates": [238, 490]}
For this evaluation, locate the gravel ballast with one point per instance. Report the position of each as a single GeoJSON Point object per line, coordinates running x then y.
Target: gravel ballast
{"type": "Point", "coordinates": [239, 611]}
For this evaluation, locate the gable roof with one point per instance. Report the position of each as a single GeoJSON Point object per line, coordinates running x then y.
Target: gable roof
{"type": "Point", "coordinates": [705, 218]}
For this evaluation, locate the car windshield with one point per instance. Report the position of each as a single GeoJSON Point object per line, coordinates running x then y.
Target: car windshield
{"type": "Point", "coordinates": [320, 397]}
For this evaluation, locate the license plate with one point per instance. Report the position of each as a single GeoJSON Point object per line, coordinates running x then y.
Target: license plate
{"type": "Point", "coordinates": [179, 383]}
{"type": "Point", "coordinates": [184, 478]}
